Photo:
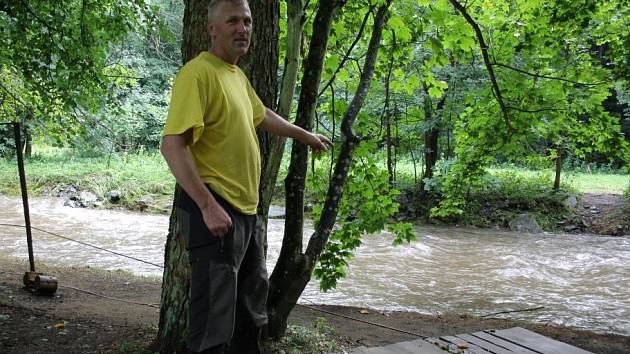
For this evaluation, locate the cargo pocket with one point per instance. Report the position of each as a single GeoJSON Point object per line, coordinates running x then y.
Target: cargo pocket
{"type": "Point", "coordinates": [221, 304]}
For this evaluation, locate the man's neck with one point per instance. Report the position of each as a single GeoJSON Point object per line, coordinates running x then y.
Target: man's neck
{"type": "Point", "coordinates": [223, 57]}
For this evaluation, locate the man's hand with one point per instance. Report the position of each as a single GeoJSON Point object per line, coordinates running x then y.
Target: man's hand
{"type": "Point", "coordinates": [317, 142]}
{"type": "Point", "coordinates": [216, 218]}
{"type": "Point", "coordinates": [273, 123]}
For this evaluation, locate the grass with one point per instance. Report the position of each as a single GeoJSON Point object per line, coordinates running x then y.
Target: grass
{"type": "Point", "coordinates": [583, 182]}
{"type": "Point", "coordinates": [314, 339]}
{"type": "Point", "coordinates": [133, 175]}
{"type": "Point", "coordinates": [51, 171]}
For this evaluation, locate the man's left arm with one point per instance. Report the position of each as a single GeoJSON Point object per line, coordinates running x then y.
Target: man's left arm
{"type": "Point", "coordinates": [275, 124]}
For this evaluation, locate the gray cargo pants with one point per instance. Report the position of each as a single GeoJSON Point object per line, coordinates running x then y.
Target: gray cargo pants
{"type": "Point", "coordinates": [229, 281]}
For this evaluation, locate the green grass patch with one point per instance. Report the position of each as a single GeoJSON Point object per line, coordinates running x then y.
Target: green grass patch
{"type": "Point", "coordinates": [318, 338]}
{"type": "Point", "coordinates": [582, 181]}
{"type": "Point", "coordinates": [506, 194]}
{"type": "Point", "coordinates": [133, 175]}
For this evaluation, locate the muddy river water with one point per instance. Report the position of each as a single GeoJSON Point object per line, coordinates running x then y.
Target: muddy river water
{"type": "Point", "coordinates": [581, 280]}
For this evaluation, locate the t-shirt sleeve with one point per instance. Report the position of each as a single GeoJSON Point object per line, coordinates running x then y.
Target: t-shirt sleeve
{"type": "Point", "coordinates": [257, 105]}
{"type": "Point", "coordinates": [186, 109]}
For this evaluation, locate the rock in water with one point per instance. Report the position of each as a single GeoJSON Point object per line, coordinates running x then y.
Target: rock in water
{"type": "Point", "coordinates": [525, 223]}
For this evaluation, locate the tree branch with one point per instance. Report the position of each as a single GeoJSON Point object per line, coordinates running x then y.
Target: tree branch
{"type": "Point", "coordinates": [535, 110]}
{"type": "Point", "coordinates": [502, 312]}
{"type": "Point", "coordinates": [335, 190]}
{"type": "Point", "coordinates": [549, 77]}
{"type": "Point", "coordinates": [18, 99]}
{"type": "Point", "coordinates": [486, 59]}
{"type": "Point", "coordinates": [347, 55]}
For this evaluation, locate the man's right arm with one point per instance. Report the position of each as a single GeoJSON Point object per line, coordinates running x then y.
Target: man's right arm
{"type": "Point", "coordinates": [175, 152]}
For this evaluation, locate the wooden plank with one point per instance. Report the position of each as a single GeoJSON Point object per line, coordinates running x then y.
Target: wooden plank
{"type": "Point", "coordinates": [410, 347]}
{"type": "Point", "coordinates": [415, 347]}
{"type": "Point", "coordinates": [503, 343]}
{"type": "Point", "coordinates": [493, 348]}
{"type": "Point", "coordinates": [372, 350]}
{"type": "Point", "coordinates": [465, 345]}
{"type": "Point", "coordinates": [443, 345]}
{"type": "Point", "coordinates": [537, 342]}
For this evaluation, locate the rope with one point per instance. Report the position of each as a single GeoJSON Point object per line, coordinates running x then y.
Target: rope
{"type": "Point", "coordinates": [87, 244]}
{"type": "Point", "coordinates": [161, 266]}
{"type": "Point", "coordinates": [360, 320]}
{"type": "Point", "coordinates": [109, 298]}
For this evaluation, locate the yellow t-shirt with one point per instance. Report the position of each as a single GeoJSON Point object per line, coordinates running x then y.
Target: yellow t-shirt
{"type": "Point", "coordinates": [216, 100]}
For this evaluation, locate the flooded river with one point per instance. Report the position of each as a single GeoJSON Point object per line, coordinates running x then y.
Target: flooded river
{"type": "Point", "coordinates": [581, 280]}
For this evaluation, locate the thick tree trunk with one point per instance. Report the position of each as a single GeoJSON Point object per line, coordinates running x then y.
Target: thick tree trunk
{"type": "Point", "coordinates": [261, 67]}
{"type": "Point", "coordinates": [273, 149]}
{"type": "Point", "coordinates": [294, 268]}
{"type": "Point", "coordinates": [195, 37]}
{"type": "Point", "coordinates": [173, 324]}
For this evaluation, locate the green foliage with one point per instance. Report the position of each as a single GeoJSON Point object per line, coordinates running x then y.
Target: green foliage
{"type": "Point", "coordinates": [133, 175]}
{"type": "Point", "coordinates": [55, 67]}
{"type": "Point", "coordinates": [367, 206]}
{"type": "Point", "coordinates": [505, 194]}
{"type": "Point", "coordinates": [305, 340]}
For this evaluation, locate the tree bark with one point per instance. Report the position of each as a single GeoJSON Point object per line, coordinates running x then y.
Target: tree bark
{"type": "Point", "coordinates": [195, 36]}
{"type": "Point", "coordinates": [431, 136]}
{"type": "Point", "coordinates": [556, 180]}
{"type": "Point", "coordinates": [275, 148]}
{"type": "Point", "coordinates": [294, 268]}
{"type": "Point", "coordinates": [260, 65]}
{"type": "Point", "coordinates": [290, 262]}
{"type": "Point", "coordinates": [173, 323]}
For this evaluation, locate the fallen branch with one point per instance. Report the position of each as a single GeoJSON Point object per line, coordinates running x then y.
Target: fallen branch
{"type": "Point", "coordinates": [502, 312]}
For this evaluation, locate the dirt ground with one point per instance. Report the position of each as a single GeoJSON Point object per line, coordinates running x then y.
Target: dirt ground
{"type": "Point", "coordinates": [87, 316]}
{"type": "Point", "coordinates": [602, 214]}
{"type": "Point", "coordinates": [75, 321]}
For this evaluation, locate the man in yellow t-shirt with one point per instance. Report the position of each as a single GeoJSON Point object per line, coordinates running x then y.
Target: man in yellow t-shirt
{"type": "Point", "coordinates": [210, 145]}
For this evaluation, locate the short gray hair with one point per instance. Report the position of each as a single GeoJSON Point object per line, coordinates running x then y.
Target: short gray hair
{"type": "Point", "coordinates": [214, 4]}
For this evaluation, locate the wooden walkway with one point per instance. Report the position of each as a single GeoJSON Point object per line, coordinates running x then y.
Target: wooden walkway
{"type": "Point", "coordinates": [506, 341]}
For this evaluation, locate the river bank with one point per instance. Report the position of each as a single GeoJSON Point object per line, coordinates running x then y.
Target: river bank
{"type": "Point", "coordinates": [75, 321]}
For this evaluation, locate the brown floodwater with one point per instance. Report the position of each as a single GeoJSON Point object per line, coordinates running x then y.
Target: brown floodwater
{"type": "Point", "coordinates": [581, 280]}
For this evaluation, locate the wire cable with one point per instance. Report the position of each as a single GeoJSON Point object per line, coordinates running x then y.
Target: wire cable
{"type": "Point", "coordinates": [360, 320]}
{"type": "Point", "coordinates": [86, 244]}
{"type": "Point", "coordinates": [157, 306]}
{"type": "Point", "coordinates": [161, 266]}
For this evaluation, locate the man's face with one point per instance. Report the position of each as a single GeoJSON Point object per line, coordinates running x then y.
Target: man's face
{"type": "Point", "coordinates": [230, 30]}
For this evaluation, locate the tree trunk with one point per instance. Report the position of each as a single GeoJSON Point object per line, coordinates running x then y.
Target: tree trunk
{"type": "Point", "coordinates": [275, 149]}
{"type": "Point", "coordinates": [195, 36]}
{"type": "Point", "coordinates": [173, 324]}
{"type": "Point", "coordinates": [556, 181]}
{"type": "Point", "coordinates": [294, 268]}
{"type": "Point", "coordinates": [290, 264]}
{"type": "Point", "coordinates": [261, 67]}
{"type": "Point", "coordinates": [431, 136]}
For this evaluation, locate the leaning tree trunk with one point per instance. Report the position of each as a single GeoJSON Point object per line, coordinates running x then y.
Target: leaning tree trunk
{"type": "Point", "coordinates": [173, 323]}
{"type": "Point", "coordinates": [272, 146]}
{"type": "Point", "coordinates": [294, 268]}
